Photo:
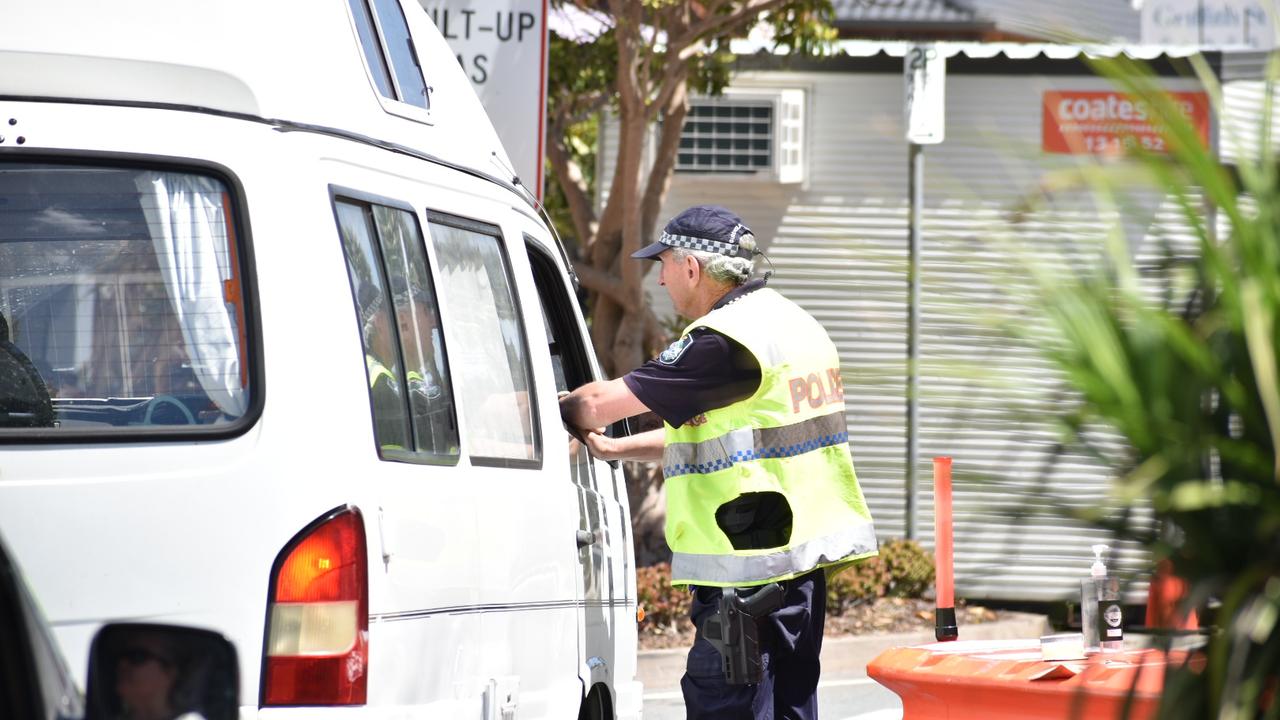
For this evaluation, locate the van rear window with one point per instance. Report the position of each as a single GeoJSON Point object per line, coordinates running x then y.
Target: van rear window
{"type": "Point", "coordinates": [120, 302]}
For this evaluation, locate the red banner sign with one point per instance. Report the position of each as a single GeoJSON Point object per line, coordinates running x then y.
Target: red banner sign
{"type": "Point", "coordinates": [1109, 123]}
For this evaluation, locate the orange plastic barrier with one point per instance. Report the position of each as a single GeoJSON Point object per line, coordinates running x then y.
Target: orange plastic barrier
{"type": "Point", "coordinates": [1007, 680]}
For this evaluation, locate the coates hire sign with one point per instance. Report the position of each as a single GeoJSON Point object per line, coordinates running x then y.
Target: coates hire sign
{"type": "Point", "coordinates": [1210, 24]}
{"type": "Point", "coordinates": [502, 47]}
{"type": "Point", "coordinates": [1091, 122]}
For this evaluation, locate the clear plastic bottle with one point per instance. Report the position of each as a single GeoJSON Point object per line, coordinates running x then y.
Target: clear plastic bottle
{"type": "Point", "coordinates": [1110, 616]}
{"type": "Point", "coordinates": [1089, 597]}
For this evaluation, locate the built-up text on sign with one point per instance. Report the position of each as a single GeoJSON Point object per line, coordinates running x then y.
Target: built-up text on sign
{"type": "Point", "coordinates": [502, 47]}
{"type": "Point", "coordinates": [1090, 122]}
{"type": "Point", "coordinates": [482, 28]}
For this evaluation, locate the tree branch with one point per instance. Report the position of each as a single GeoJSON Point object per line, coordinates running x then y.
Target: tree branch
{"type": "Point", "coordinates": [655, 336]}
{"type": "Point", "coordinates": [583, 110]}
{"type": "Point", "coordinates": [675, 77]}
{"type": "Point", "coordinates": [713, 22]}
{"type": "Point", "coordinates": [574, 186]}
{"type": "Point", "coordinates": [631, 108]}
{"type": "Point", "coordinates": [602, 282]}
{"type": "Point", "coordinates": [571, 109]}
{"type": "Point", "coordinates": [605, 317]}
{"type": "Point", "coordinates": [673, 115]}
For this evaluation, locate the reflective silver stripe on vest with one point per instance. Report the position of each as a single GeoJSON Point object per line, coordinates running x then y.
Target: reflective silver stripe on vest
{"type": "Point", "coordinates": [857, 540]}
{"type": "Point", "coordinates": [748, 444]}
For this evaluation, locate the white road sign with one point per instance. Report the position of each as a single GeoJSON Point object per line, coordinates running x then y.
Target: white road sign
{"type": "Point", "coordinates": [925, 73]}
{"type": "Point", "coordinates": [1210, 23]}
{"type": "Point", "coordinates": [502, 47]}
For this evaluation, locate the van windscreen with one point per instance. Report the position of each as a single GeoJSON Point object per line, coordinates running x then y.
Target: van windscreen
{"type": "Point", "coordinates": [120, 302]}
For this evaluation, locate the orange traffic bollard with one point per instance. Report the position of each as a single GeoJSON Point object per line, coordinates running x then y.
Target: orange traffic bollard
{"type": "Point", "coordinates": [944, 615]}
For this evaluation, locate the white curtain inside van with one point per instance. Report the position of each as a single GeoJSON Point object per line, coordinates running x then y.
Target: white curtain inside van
{"type": "Point", "coordinates": [188, 229]}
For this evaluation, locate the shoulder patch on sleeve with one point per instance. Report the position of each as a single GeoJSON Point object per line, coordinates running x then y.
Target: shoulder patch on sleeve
{"type": "Point", "coordinates": [675, 350]}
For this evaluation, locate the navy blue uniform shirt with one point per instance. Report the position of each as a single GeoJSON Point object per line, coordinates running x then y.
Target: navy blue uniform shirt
{"type": "Point", "coordinates": [697, 373]}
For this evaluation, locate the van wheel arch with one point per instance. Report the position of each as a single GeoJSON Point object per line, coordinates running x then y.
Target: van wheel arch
{"type": "Point", "coordinates": [597, 705]}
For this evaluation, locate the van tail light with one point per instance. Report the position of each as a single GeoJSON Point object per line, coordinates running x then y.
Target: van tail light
{"type": "Point", "coordinates": [317, 649]}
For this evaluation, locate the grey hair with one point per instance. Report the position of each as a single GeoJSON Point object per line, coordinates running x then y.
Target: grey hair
{"type": "Point", "coordinates": [723, 268]}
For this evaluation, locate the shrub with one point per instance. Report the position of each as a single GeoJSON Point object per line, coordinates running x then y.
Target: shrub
{"type": "Point", "coordinates": [903, 569]}
{"type": "Point", "coordinates": [910, 567]}
{"type": "Point", "coordinates": [666, 608]}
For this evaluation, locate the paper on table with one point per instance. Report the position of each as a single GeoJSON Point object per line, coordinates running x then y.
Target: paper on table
{"type": "Point", "coordinates": [1058, 671]}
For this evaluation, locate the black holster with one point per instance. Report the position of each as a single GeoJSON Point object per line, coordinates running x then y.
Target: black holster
{"type": "Point", "coordinates": [734, 632]}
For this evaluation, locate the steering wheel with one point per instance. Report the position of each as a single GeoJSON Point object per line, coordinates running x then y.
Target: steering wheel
{"type": "Point", "coordinates": [159, 400]}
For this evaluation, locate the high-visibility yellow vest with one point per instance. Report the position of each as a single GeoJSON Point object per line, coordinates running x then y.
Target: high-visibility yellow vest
{"type": "Point", "coordinates": [382, 379]}
{"type": "Point", "coordinates": [790, 438]}
{"type": "Point", "coordinates": [379, 372]}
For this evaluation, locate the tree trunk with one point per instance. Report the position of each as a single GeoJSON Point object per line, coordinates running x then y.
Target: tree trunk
{"type": "Point", "coordinates": [648, 88]}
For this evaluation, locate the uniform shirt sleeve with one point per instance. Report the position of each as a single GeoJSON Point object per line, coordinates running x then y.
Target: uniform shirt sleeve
{"type": "Point", "coordinates": [686, 380]}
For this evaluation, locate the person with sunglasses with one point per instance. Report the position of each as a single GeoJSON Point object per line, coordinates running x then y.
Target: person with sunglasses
{"type": "Point", "coordinates": [147, 673]}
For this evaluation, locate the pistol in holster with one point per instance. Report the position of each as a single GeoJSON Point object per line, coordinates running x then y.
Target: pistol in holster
{"type": "Point", "coordinates": [733, 631]}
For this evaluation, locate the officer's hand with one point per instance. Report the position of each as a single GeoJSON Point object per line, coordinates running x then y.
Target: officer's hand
{"type": "Point", "coordinates": [602, 446]}
{"type": "Point", "coordinates": [575, 435]}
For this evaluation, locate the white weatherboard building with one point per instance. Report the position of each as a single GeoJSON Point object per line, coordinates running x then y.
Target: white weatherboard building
{"type": "Point", "coordinates": [813, 156]}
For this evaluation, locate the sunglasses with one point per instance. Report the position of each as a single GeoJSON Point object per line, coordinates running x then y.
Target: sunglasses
{"type": "Point", "coordinates": [138, 656]}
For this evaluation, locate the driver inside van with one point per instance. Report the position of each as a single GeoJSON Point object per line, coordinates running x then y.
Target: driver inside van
{"type": "Point", "coordinates": [148, 670]}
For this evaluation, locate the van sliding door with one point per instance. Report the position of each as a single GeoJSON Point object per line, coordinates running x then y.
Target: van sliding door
{"type": "Point", "coordinates": [604, 525]}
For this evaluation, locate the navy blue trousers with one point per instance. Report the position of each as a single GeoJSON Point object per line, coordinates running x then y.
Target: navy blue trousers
{"type": "Point", "coordinates": [790, 642]}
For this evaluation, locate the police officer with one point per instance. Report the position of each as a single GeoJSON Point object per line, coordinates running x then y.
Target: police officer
{"type": "Point", "coordinates": [759, 481]}
{"type": "Point", "coordinates": [383, 371]}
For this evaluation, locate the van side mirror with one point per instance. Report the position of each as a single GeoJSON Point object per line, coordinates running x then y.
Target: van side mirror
{"type": "Point", "coordinates": [161, 671]}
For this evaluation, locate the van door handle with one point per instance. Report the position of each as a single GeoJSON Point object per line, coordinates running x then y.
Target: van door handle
{"type": "Point", "coordinates": [585, 538]}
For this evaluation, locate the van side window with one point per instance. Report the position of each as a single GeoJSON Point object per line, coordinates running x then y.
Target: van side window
{"type": "Point", "coordinates": [490, 350]}
{"type": "Point", "coordinates": [372, 48]}
{"type": "Point", "coordinates": [570, 359]}
{"type": "Point", "coordinates": [409, 389]}
{"type": "Point", "coordinates": [564, 343]}
{"type": "Point", "coordinates": [384, 36]}
{"type": "Point", "coordinates": [431, 408]}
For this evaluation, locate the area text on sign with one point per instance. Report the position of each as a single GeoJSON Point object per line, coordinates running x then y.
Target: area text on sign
{"type": "Point", "coordinates": [502, 47]}
{"type": "Point", "coordinates": [1089, 122]}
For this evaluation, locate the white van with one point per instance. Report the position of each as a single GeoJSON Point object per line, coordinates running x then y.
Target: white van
{"type": "Point", "coordinates": [281, 348]}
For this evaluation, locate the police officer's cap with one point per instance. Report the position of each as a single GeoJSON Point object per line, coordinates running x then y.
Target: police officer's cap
{"type": "Point", "coordinates": [709, 228]}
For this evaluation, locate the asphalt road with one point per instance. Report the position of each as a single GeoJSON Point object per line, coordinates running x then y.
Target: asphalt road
{"type": "Point", "coordinates": [838, 699]}
{"type": "Point", "coordinates": [845, 693]}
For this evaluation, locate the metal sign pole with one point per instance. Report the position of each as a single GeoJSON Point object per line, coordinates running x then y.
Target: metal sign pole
{"type": "Point", "coordinates": [924, 74]}
{"type": "Point", "coordinates": [915, 189]}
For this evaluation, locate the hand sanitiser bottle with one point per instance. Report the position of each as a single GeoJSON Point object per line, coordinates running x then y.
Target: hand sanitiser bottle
{"type": "Point", "coordinates": [1107, 617]}
{"type": "Point", "coordinates": [1089, 601]}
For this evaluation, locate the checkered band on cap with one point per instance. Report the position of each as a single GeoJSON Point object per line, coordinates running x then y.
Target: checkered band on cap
{"type": "Point", "coordinates": [690, 242]}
